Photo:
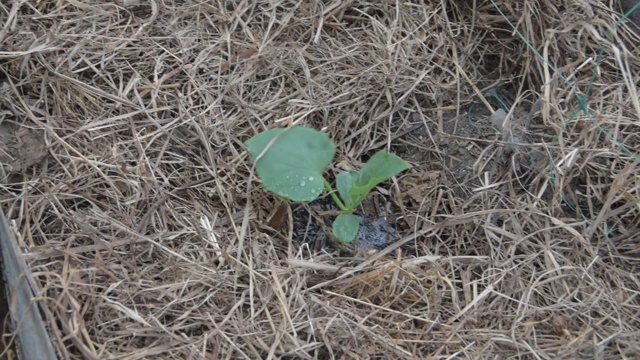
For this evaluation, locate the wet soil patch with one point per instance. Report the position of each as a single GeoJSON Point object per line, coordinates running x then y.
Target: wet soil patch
{"type": "Point", "coordinates": [312, 226]}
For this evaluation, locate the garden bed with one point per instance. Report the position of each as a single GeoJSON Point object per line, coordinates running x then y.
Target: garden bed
{"type": "Point", "coordinates": [147, 235]}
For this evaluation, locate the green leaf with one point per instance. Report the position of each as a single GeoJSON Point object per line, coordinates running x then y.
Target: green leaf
{"type": "Point", "coordinates": [344, 182]}
{"type": "Point", "coordinates": [345, 227]}
{"type": "Point", "coordinates": [380, 167]}
{"type": "Point", "coordinates": [292, 166]}
{"type": "Point", "coordinates": [357, 194]}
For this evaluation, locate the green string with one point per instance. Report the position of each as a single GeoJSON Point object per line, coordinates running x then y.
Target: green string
{"type": "Point", "coordinates": [582, 100]}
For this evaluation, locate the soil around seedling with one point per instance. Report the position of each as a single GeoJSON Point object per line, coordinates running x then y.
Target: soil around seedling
{"type": "Point", "coordinates": [313, 228]}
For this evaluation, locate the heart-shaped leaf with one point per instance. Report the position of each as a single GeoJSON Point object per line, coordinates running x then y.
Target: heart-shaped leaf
{"type": "Point", "coordinates": [293, 162]}
{"type": "Point", "coordinates": [345, 227]}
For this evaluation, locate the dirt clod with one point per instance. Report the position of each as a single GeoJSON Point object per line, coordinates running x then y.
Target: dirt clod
{"type": "Point", "coordinates": [20, 148]}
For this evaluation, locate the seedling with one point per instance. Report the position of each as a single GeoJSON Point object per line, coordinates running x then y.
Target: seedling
{"type": "Point", "coordinates": [291, 161]}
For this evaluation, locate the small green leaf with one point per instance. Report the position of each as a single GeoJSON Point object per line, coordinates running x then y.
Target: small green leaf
{"type": "Point", "coordinates": [345, 227]}
{"type": "Point", "coordinates": [380, 167]}
{"type": "Point", "coordinates": [357, 194]}
{"type": "Point", "coordinates": [344, 182]}
{"type": "Point", "coordinates": [292, 166]}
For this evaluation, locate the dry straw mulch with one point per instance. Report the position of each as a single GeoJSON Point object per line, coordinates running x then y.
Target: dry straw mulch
{"type": "Point", "coordinates": [132, 204]}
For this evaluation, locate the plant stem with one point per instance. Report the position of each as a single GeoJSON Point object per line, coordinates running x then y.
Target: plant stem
{"type": "Point", "coordinates": [334, 196]}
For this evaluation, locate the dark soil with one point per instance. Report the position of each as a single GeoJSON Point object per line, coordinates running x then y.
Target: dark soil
{"type": "Point", "coordinates": [312, 226]}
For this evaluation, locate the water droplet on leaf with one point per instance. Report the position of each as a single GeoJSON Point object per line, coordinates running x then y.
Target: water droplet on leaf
{"type": "Point", "coordinates": [302, 183]}
{"type": "Point", "coordinates": [310, 178]}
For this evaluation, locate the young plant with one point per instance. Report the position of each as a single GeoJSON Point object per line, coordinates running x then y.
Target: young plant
{"type": "Point", "coordinates": [291, 161]}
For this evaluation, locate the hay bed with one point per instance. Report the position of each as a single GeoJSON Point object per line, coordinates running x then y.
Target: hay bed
{"type": "Point", "coordinates": [127, 184]}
